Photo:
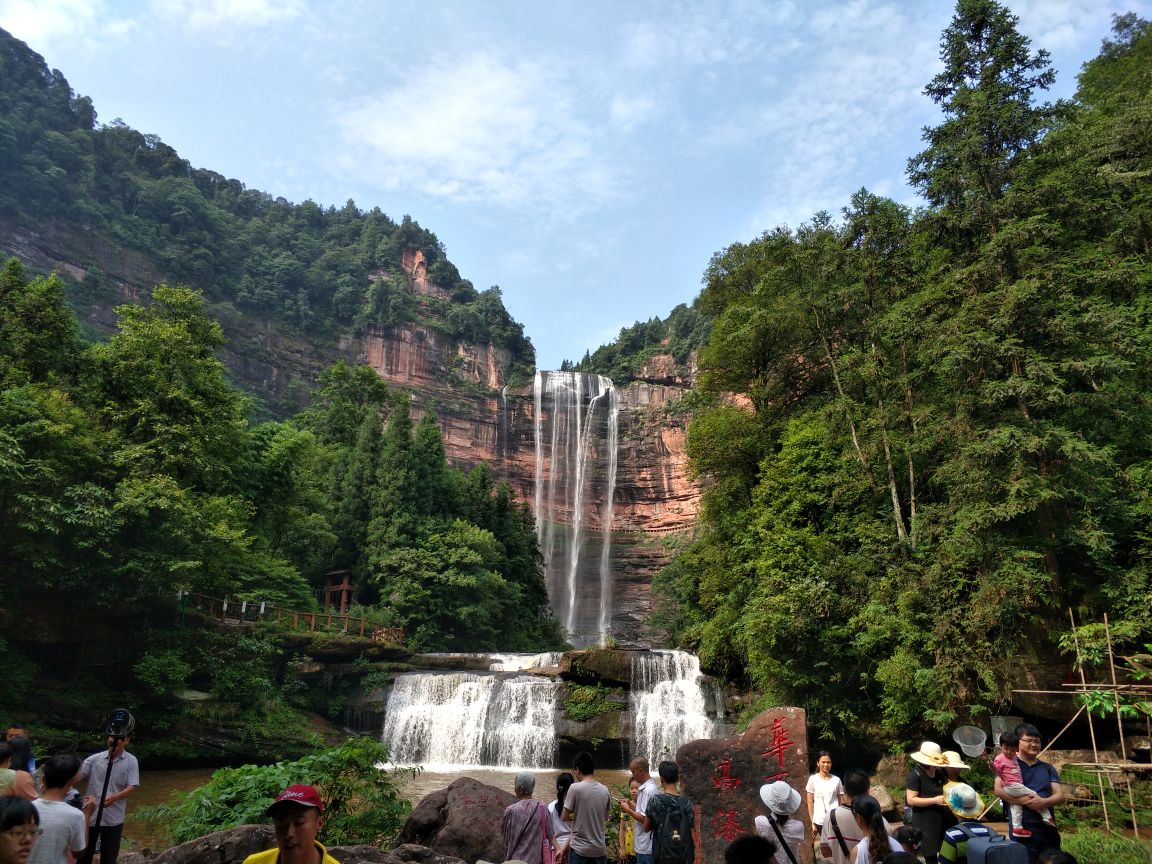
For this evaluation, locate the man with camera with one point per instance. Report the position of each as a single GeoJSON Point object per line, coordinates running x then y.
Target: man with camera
{"type": "Point", "coordinates": [106, 790]}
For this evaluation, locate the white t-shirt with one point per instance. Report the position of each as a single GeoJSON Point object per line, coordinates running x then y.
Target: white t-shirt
{"type": "Point", "coordinates": [825, 795]}
{"type": "Point", "coordinates": [851, 832]}
{"type": "Point", "coordinates": [864, 857]}
{"type": "Point", "coordinates": [62, 829]}
{"type": "Point", "coordinates": [642, 840]}
{"type": "Point", "coordinates": [560, 828]}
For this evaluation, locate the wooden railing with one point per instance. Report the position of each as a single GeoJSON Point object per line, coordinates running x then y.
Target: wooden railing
{"type": "Point", "coordinates": [241, 612]}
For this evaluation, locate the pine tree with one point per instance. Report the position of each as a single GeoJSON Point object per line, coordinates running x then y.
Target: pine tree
{"type": "Point", "coordinates": [986, 93]}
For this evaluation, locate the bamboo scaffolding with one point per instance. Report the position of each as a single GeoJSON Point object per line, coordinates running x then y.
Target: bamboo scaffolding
{"type": "Point", "coordinates": [1072, 689]}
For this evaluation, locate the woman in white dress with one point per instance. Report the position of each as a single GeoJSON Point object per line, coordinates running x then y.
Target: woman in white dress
{"type": "Point", "coordinates": [824, 790]}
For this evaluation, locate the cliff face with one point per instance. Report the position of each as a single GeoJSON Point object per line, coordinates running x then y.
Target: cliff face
{"type": "Point", "coordinates": [482, 420]}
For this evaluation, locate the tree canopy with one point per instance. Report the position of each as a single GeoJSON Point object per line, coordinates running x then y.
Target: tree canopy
{"type": "Point", "coordinates": [945, 443]}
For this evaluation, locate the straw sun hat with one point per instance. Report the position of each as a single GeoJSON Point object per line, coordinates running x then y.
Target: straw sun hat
{"type": "Point", "coordinates": [954, 760]}
{"type": "Point", "coordinates": [930, 754]}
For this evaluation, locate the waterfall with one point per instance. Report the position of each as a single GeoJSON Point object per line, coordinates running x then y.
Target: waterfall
{"type": "Point", "coordinates": [519, 662]}
{"type": "Point", "coordinates": [667, 702]}
{"type": "Point", "coordinates": [461, 718]}
{"type": "Point", "coordinates": [576, 429]}
{"type": "Point", "coordinates": [502, 428]}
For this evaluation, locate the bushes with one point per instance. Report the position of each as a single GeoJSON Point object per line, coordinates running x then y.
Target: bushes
{"type": "Point", "coordinates": [1100, 847]}
{"type": "Point", "coordinates": [361, 802]}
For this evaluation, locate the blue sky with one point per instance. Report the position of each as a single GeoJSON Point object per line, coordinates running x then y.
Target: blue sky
{"type": "Point", "coordinates": [587, 157]}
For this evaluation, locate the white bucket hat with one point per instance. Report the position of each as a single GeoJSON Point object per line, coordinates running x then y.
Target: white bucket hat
{"type": "Point", "coordinates": [780, 798]}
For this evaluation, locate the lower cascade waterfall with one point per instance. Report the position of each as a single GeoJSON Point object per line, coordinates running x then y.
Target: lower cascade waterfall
{"type": "Point", "coordinates": [667, 702]}
{"type": "Point", "coordinates": [463, 718]}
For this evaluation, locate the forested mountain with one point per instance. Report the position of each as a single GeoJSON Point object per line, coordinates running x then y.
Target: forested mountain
{"type": "Point", "coordinates": [131, 467]}
{"type": "Point", "coordinates": [941, 436]}
{"type": "Point", "coordinates": [310, 269]}
{"type": "Point", "coordinates": [678, 336]}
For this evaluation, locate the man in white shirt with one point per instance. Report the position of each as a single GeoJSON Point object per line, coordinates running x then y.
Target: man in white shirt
{"type": "Point", "coordinates": [63, 829]}
{"type": "Point", "coordinates": [123, 782]}
{"type": "Point", "coordinates": [642, 842]}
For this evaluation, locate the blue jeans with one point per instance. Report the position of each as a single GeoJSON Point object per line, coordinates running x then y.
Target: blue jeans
{"type": "Point", "coordinates": [645, 859]}
{"type": "Point", "coordinates": [575, 857]}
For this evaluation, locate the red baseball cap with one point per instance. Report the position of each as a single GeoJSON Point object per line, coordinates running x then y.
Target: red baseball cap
{"type": "Point", "coordinates": [297, 793]}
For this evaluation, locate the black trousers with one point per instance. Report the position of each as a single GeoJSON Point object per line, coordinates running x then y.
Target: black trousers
{"type": "Point", "coordinates": [109, 844]}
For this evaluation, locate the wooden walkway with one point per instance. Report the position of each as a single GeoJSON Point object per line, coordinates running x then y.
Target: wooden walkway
{"type": "Point", "coordinates": [246, 612]}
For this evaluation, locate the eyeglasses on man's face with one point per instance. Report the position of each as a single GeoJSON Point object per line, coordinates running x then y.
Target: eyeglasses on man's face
{"type": "Point", "coordinates": [24, 832]}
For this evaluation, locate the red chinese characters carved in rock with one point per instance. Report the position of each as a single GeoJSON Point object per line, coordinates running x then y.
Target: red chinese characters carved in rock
{"type": "Point", "coordinates": [722, 777]}
{"type": "Point", "coordinates": [726, 824]}
{"type": "Point", "coordinates": [776, 747]}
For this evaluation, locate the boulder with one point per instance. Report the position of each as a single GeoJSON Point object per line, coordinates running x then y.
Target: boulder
{"type": "Point", "coordinates": [1060, 758]}
{"type": "Point", "coordinates": [1138, 748]}
{"type": "Point", "coordinates": [420, 855]}
{"type": "Point", "coordinates": [724, 777]}
{"type": "Point", "coordinates": [462, 820]}
{"type": "Point", "coordinates": [611, 666]}
{"type": "Point", "coordinates": [223, 847]}
{"type": "Point", "coordinates": [884, 798]}
{"type": "Point", "coordinates": [893, 770]}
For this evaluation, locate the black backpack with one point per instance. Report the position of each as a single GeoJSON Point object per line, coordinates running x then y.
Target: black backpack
{"type": "Point", "coordinates": [673, 841]}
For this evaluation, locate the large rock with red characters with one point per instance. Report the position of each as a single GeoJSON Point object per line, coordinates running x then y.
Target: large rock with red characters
{"type": "Point", "coordinates": [724, 778]}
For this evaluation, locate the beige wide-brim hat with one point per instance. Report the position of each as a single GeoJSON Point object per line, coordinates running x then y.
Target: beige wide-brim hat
{"type": "Point", "coordinates": [780, 798]}
{"type": "Point", "coordinates": [954, 760]}
{"type": "Point", "coordinates": [963, 800]}
{"type": "Point", "coordinates": [930, 754]}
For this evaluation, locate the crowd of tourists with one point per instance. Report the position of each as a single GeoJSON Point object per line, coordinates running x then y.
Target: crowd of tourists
{"type": "Point", "coordinates": [941, 819]}
{"type": "Point", "coordinates": [44, 820]}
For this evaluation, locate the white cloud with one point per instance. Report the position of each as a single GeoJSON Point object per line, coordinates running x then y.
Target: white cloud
{"type": "Point", "coordinates": [702, 34]}
{"type": "Point", "coordinates": [219, 15]}
{"type": "Point", "coordinates": [631, 111]}
{"type": "Point", "coordinates": [45, 24]}
{"type": "Point", "coordinates": [1056, 25]}
{"type": "Point", "coordinates": [481, 130]}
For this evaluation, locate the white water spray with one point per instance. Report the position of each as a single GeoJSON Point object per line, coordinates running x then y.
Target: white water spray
{"type": "Point", "coordinates": [668, 704]}
{"type": "Point", "coordinates": [576, 426]}
{"type": "Point", "coordinates": [461, 718]}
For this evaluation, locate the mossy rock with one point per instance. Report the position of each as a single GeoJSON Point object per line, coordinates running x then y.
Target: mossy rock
{"type": "Point", "coordinates": [609, 666]}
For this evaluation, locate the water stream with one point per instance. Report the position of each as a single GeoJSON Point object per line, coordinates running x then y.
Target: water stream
{"type": "Point", "coordinates": [445, 719]}
{"type": "Point", "coordinates": [576, 429]}
{"type": "Point", "coordinates": [667, 702]}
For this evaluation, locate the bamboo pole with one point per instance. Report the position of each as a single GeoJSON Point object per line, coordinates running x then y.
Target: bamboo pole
{"type": "Point", "coordinates": [1120, 723]}
{"type": "Point", "coordinates": [1075, 716]}
{"type": "Point", "coordinates": [1091, 725]}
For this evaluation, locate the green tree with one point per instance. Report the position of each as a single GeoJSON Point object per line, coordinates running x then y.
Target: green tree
{"type": "Point", "coordinates": [165, 393]}
{"type": "Point", "coordinates": [986, 92]}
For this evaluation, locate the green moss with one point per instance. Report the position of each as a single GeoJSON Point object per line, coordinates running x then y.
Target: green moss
{"type": "Point", "coordinates": [585, 702]}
